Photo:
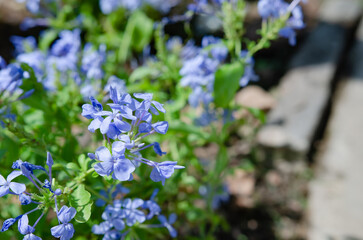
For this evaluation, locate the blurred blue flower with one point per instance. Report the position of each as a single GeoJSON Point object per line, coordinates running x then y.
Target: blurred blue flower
{"type": "Point", "coordinates": [168, 223]}
{"type": "Point", "coordinates": [274, 9]}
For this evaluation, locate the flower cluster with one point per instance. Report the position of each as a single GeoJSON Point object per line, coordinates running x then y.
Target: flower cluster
{"type": "Point", "coordinates": [199, 69]}
{"type": "Point", "coordinates": [128, 123]}
{"type": "Point", "coordinates": [46, 199]}
{"type": "Point", "coordinates": [122, 213]}
{"type": "Point", "coordinates": [32, 5]}
{"type": "Point", "coordinates": [275, 9]}
{"type": "Point", "coordinates": [108, 6]}
{"type": "Point", "coordinates": [61, 63]}
{"type": "Point", "coordinates": [11, 78]}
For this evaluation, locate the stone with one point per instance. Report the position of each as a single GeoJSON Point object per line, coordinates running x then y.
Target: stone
{"type": "Point", "coordinates": [12, 12]}
{"type": "Point", "coordinates": [344, 12]}
{"type": "Point", "coordinates": [304, 91]}
{"type": "Point", "coordinates": [242, 185]}
{"type": "Point", "coordinates": [336, 196]}
{"type": "Point", "coordinates": [255, 97]}
{"type": "Point", "coordinates": [335, 207]}
{"type": "Point", "coordinates": [272, 136]}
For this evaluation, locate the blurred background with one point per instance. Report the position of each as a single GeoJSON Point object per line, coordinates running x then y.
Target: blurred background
{"type": "Point", "coordinates": [309, 185]}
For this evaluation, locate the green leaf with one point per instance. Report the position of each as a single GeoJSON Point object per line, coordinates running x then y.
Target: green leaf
{"type": "Point", "coordinates": [179, 126]}
{"type": "Point", "coordinates": [38, 99]}
{"type": "Point", "coordinates": [137, 34]}
{"type": "Point", "coordinates": [142, 32]}
{"type": "Point", "coordinates": [83, 213]}
{"type": "Point", "coordinates": [83, 162]}
{"type": "Point", "coordinates": [95, 174]}
{"type": "Point", "coordinates": [72, 166]}
{"type": "Point", "coordinates": [226, 83]}
{"type": "Point", "coordinates": [143, 72]}
{"type": "Point", "coordinates": [221, 163]}
{"type": "Point", "coordinates": [79, 197]}
{"type": "Point", "coordinates": [47, 38]}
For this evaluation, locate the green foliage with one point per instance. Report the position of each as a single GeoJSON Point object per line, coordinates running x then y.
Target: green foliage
{"type": "Point", "coordinates": [137, 35]}
{"type": "Point", "coordinates": [80, 199]}
{"type": "Point", "coordinates": [226, 83]}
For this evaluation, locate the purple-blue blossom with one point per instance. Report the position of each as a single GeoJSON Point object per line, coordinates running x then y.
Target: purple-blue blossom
{"type": "Point", "coordinates": [248, 74]}
{"type": "Point", "coordinates": [6, 184]}
{"type": "Point", "coordinates": [274, 9]}
{"type": "Point", "coordinates": [93, 60]}
{"type": "Point", "coordinates": [128, 123]}
{"type": "Point", "coordinates": [23, 44]}
{"type": "Point", "coordinates": [116, 163]}
{"type": "Point", "coordinates": [64, 230]}
{"type": "Point", "coordinates": [163, 170]}
{"type": "Point", "coordinates": [32, 5]}
{"type": "Point", "coordinates": [124, 213]}
{"type": "Point", "coordinates": [168, 224]}
{"type": "Point", "coordinates": [26, 230]}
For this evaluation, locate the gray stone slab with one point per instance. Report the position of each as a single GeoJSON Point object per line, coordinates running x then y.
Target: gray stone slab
{"type": "Point", "coordinates": [304, 91]}
{"type": "Point", "coordinates": [344, 12]}
{"type": "Point", "coordinates": [336, 196]}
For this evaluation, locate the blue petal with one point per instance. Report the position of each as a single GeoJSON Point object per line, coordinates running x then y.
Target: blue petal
{"type": "Point", "coordinates": [123, 169]}
{"type": "Point", "coordinates": [161, 127]}
{"type": "Point", "coordinates": [105, 125]}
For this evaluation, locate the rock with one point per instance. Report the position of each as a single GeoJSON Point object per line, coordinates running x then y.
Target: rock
{"type": "Point", "coordinates": [272, 136]}
{"type": "Point", "coordinates": [242, 185]}
{"type": "Point", "coordinates": [344, 12]}
{"type": "Point", "coordinates": [12, 12]}
{"type": "Point", "coordinates": [336, 197]}
{"type": "Point", "coordinates": [207, 155]}
{"type": "Point", "coordinates": [255, 97]}
{"type": "Point", "coordinates": [311, 9]}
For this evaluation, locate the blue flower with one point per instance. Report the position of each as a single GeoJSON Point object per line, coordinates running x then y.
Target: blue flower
{"type": "Point", "coordinates": [24, 199]}
{"type": "Point", "coordinates": [11, 78]}
{"type": "Point", "coordinates": [167, 223]}
{"type": "Point", "coordinates": [249, 74]}
{"type": "Point", "coordinates": [116, 163]}
{"type": "Point", "coordinates": [132, 214]}
{"type": "Point", "coordinates": [158, 150]}
{"type": "Point", "coordinates": [30, 167]}
{"type": "Point", "coordinates": [23, 44]}
{"type": "Point", "coordinates": [163, 170]}
{"type": "Point", "coordinates": [116, 83]}
{"type": "Point", "coordinates": [8, 223]}
{"type": "Point", "coordinates": [89, 110]}
{"type": "Point", "coordinates": [108, 6]}
{"type": "Point", "coordinates": [113, 215]}
{"type": "Point", "coordinates": [25, 229]}
{"type": "Point", "coordinates": [63, 53]}
{"type": "Point", "coordinates": [128, 123]}
{"type": "Point", "coordinates": [198, 71]}
{"type": "Point", "coordinates": [65, 230]}
{"type": "Point", "coordinates": [92, 61]}
{"type": "Point", "coordinates": [154, 208]}
{"type": "Point", "coordinates": [277, 8]}
{"type": "Point", "coordinates": [7, 185]}
{"type": "Point", "coordinates": [2, 63]}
